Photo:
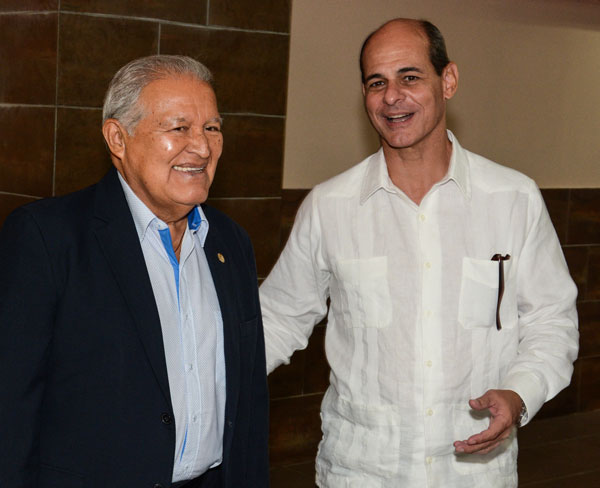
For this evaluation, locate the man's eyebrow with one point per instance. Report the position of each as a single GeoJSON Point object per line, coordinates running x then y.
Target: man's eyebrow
{"type": "Point", "coordinates": [176, 120]}
{"type": "Point", "coordinates": [400, 71]}
{"type": "Point", "coordinates": [374, 75]}
{"type": "Point", "coordinates": [409, 68]}
{"type": "Point", "coordinates": [180, 120]}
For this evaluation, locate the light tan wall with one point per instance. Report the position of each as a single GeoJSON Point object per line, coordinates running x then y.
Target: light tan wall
{"type": "Point", "coordinates": [529, 91]}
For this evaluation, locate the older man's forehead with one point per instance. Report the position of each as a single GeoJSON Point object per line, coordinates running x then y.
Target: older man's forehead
{"type": "Point", "coordinates": [165, 91]}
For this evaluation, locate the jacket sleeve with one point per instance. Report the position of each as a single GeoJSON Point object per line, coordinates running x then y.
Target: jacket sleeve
{"type": "Point", "coordinates": [294, 296]}
{"type": "Point", "coordinates": [548, 335]}
{"type": "Point", "coordinates": [28, 297]}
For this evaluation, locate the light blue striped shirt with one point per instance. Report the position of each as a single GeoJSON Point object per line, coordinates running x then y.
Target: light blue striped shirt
{"type": "Point", "coordinates": [192, 329]}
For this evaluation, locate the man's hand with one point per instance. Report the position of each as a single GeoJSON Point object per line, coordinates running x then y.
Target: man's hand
{"type": "Point", "coordinates": [505, 407]}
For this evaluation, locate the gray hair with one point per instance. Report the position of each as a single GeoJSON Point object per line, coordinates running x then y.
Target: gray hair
{"type": "Point", "coordinates": [121, 99]}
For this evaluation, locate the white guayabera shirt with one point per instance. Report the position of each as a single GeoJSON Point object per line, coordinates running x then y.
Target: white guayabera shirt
{"type": "Point", "coordinates": [411, 333]}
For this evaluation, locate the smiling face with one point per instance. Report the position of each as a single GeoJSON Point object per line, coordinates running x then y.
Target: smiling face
{"type": "Point", "coordinates": [404, 97]}
{"type": "Point", "coordinates": [169, 159]}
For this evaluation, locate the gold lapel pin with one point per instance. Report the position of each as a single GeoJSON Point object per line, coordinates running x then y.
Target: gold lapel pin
{"type": "Point", "coordinates": [221, 257]}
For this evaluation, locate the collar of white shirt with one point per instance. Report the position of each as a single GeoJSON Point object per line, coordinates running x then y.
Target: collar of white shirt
{"type": "Point", "coordinates": [377, 176]}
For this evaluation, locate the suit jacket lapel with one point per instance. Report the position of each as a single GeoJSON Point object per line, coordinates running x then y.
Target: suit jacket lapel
{"type": "Point", "coordinates": [119, 241]}
{"type": "Point", "coordinates": [221, 270]}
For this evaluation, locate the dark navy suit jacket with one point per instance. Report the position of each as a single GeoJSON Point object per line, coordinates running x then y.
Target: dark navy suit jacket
{"type": "Point", "coordinates": [84, 394]}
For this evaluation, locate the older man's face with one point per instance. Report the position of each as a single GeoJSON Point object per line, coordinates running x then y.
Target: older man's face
{"type": "Point", "coordinates": [169, 160]}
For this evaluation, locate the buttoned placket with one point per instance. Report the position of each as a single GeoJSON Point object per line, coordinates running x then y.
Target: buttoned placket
{"type": "Point", "coordinates": [430, 253]}
{"type": "Point", "coordinates": [188, 346]}
{"type": "Point", "coordinates": [189, 349]}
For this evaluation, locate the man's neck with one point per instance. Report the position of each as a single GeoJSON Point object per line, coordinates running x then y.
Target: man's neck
{"type": "Point", "coordinates": [415, 170]}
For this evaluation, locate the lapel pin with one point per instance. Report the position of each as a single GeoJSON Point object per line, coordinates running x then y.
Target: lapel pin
{"type": "Point", "coordinates": [221, 257]}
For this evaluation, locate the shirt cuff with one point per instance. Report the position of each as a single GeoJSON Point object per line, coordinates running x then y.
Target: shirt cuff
{"type": "Point", "coordinates": [529, 387]}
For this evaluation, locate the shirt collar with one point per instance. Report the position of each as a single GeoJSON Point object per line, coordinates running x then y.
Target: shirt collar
{"type": "Point", "coordinates": [458, 171]}
{"type": "Point", "coordinates": [144, 218]}
{"type": "Point", "coordinates": [377, 176]}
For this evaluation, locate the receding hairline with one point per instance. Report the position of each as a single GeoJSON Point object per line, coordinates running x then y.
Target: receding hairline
{"type": "Point", "coordinates": [417, 23]}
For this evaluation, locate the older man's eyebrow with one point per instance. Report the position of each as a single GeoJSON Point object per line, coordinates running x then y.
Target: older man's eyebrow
{"type": "Point", "coordinates": [215, 119]}
{"type": "Point", "coordinates": [174, 120]}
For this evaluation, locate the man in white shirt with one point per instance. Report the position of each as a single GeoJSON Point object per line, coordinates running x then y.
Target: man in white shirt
{"type": "Point", "coordinates": [452, 314]}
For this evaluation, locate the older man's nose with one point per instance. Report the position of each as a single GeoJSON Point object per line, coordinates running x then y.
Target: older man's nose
{"type": "Point", "coordinates": [198, 143]}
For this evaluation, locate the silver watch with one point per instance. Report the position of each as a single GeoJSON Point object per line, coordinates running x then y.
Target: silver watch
{"type": "Point", "coordinates": [522, 414]}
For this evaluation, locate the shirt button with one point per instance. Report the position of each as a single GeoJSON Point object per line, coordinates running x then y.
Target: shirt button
{"type": "Point", "coordinates": [422, 217]}
{"type": "Point", "coordinates": [429, 460]}
{"type": "Point", "coordinates": [190, 367]}
{"type": "Point", "coordinates": [195, 418]}
{"type": "Point", "coordinates": [429, 364]}
{"type": "Point", "coordinates": [429, 412]}
{"type": "Point", "coordinates": [428, 265]}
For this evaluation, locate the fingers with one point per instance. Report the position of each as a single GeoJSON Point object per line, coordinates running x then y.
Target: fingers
{"type": "Point", "coordinates": [504, 407]}
{"type": "Point", "coordinates": [480, 444]}
{"type": "Point", "coordinates": [498, 425]}
{"type": "Point", "coordinates": [480, 403]}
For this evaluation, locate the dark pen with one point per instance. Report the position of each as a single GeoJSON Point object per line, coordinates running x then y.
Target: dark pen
{"type": "Point", "coordinates": [500, 259]}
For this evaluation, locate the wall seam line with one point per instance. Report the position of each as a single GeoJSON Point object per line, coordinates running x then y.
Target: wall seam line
{"type": "Point", "coordinates": [177, 23]}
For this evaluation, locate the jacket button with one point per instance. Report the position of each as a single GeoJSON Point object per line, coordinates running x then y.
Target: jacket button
{"type": "Point", "coordinates": [166, 418]}
{"type": "Point", "coordinates": [158, 485]}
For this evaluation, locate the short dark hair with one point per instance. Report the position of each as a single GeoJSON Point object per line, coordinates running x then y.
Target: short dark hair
{"type": "Point", "coordinates": [438, 56]}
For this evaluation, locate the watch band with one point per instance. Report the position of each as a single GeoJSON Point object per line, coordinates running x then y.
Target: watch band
{"type": "Point", "coordinates": [523, 414]}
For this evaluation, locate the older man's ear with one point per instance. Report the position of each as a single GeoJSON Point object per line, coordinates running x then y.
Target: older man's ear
{"type": "Point", "coordinates": [114, 135]}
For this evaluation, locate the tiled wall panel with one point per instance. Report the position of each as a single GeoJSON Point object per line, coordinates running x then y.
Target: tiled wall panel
{"type": "Point", "coordinates": [584, 217]}
{"type": "Point", "coordinates": [26, 150]}
{"type": "Point", "coordinates": [190, 12]}
{"type": "Point", "coordinates": [81, 157]}
{"type": "Point", "coordinates": [295, 429]}
{"type": "Point", "coordinates": [92, 49]}
{"type": "Point", "coordinates": [28, 5]}
{"type": "Point", "coordinates": [251, 77]}
{"type": "Point", "coordinates": [589, 319]}
{"type": "Point", "coordinates": [246, 14]}
{"type": "Point", "coordinates": [28, 58]}
{"type": "Point", "coordinates": [590, 384]}
{"type": "Point", "coordinates": [593, 276]}
{"type": "Point", "coordinates": [557, 202]}
{"type": "Point", "coordinates": [251, 162]}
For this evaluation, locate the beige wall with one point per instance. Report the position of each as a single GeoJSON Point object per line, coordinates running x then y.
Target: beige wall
{"type": "Point", "coordinates": [529, 92]}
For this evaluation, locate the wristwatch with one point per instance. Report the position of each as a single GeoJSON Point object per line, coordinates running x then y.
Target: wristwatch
{"type": "Point", "coordinates": [522, 414]}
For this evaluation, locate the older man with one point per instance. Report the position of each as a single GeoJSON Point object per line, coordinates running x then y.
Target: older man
{"type": "Point", "coordinates": [452, 316]}
{"type": "Point", "coordinates": [132, 350]}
